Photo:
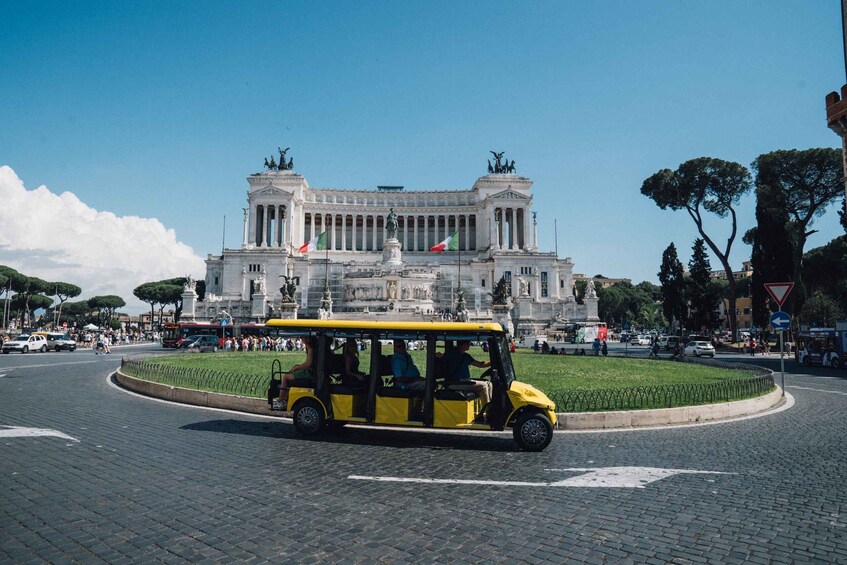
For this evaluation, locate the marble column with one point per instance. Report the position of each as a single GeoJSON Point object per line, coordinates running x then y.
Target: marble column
{"type": "Point", "coordinates": [245, 228]}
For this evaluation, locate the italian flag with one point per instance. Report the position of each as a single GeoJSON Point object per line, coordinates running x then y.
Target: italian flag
{"type": "Point", "coordinates": [318, 243]}
{"type": "Point", "coordinates": [449, 244]}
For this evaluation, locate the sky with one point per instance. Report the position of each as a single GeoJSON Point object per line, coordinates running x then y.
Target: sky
{"type": "Point", "coordinates": [127, 129]}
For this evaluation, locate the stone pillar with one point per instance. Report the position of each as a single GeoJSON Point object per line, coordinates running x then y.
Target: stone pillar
{"type": "Point", "coordinates": [311, 226]}
{"type": "Point", "coordinates": [251, 229]}
{"type": "Point", "coordinates": [353, 233]}
{"type": "Point", "coordinates": [415, 229]}
{"type": "Point", "coordinates": [535, 236]}
{"type": "Point", "coordinates": [259, 309]}
{"type": "Point", "coordinates": [373, 232]}
{"type": "Point", "coordinates": [502, 315]}
{"type": "Point", "coordinates": [189, 301]}
{"type": "Point", "coordinates": [344, 232]}
{"type": "Point", "coordinates": [288, 310]}
{"type": "Point", "coordinates": [266, 225]}
{"type": "Point", "coordinates": [332, 234]}
{"type": "Point", "coordinates": [406, 233]}
{"type": "Point", "coordinates": [245, 229]}
{"type": "Point", "coordinates": [501, 229]}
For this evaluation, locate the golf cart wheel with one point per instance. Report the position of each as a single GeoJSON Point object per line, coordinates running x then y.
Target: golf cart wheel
{"type": "Point", "coordinates": [836, 362]}
{"type": "Point", "coordinates": [533, 431]}
{"type": "Point", "coordinates": [309, 417]}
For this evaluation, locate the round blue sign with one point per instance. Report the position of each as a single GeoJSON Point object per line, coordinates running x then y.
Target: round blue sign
{"type": "Point", "coordinates": [780, 321]}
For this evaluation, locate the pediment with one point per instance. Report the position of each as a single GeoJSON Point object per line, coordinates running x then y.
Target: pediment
{"type": "Point", "coordinates": [509, 195]}
{"type": "Point", "coordinates": [270, 190]}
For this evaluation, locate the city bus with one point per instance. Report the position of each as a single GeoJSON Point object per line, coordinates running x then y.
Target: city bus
{"type": "Point", "coordinates": [822, 346]}
{"type": "Point", "coordinates": [175, 333]}
{"type": "Point", "coordinates": [325, 400]}
{"type": "Point", "coordinates": [582, 332]}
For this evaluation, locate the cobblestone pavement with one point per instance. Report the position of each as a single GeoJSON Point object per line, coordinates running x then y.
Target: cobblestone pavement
{"type": "Point", "coordinates": [148, 481]}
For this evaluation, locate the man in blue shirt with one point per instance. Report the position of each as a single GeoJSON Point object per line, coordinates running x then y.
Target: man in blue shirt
{"type": "Point", "coordinates": [457, 362]}
{"type": "Point", "coordinates": [406, 375]}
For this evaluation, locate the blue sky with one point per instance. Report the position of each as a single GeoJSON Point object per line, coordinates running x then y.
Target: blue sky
{"type": "Point", "coordinates": [161, 109]}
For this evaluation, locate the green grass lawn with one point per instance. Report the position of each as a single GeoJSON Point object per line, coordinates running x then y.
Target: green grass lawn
{"type": "Point", "coordinates": [549, 373]}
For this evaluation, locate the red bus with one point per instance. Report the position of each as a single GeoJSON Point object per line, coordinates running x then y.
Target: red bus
{"type": "Point", "coordinates": [175, 333]}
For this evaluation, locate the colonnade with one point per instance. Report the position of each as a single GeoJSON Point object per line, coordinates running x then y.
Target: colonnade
{"type": "Point", "coordinates": [511, 228]}
{"type": "Point", "coordinates": [506, 227]}
{"type": "Point", "coordinates": [366, 232]}
{"type": "Point", "coordinates": [271, 225]}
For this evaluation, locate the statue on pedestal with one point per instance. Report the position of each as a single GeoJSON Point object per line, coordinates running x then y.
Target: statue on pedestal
{"type": "Point", "coordinates": [590, 291]}
{"type": "Point", "coordinates": [391, 225]}
{"type": "Point", "coordinates": [501, 292]}
{"type": "Point", "coordinates": [288, 289]}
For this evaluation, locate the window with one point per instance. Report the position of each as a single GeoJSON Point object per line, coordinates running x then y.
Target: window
{"type": "Point", "coordinates": [254, 268]}
{"type": "Point", "coordinates": [216, 281]}
{"type": "Point", "coordinates": [543, 284]}
{"type": "Point", "coordinates": [526, 270]}
{"type": "Point", "coordinates": [483, 283]}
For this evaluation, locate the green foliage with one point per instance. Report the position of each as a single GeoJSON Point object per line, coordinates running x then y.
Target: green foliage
{"type": "Point", "coordinates": [624, 302]}
{"type": "Point", "coordinates": [78, 312]}
{"type": "Point", "coordinates": [64, 291]}
{"type": "Point", "coordinates": [704, 184]}
{"type": "Point", "coordinates": [672, 276]}
{"type": "Point", "coordinates": [580, 286]}
{"type": "Point", "coordinates": [703, 295]}
{"type": "Point", "coordinates": [809, 181]}
{"type": "Point", "coordinates": [821, 311]}
{"type": "Point", "coordinates": [106, 307]}
{"type": "Point", "coordinates": [825, 270]}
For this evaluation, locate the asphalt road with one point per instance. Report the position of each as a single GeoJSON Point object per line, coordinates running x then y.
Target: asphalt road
{"type": "Point", "coordinates": [90, 473]}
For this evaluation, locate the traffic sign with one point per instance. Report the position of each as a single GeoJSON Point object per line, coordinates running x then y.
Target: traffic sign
{"type": "Point", "coordinates": [779, 291]}
{"type": "Point", "coordinates": [780, 321]}
{"type": "Point", "coordinates": [224, 322]}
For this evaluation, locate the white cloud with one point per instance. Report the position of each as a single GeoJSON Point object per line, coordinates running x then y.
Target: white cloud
{"type": "Point", "coordinates": [60, 238]}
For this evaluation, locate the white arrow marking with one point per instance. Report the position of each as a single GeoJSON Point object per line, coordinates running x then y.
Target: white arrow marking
{"type": "Point", "coordinates": [17, 431]}
{"type": "Point", "coordinates": [602, 477]}
{"type": "Point", "coordinates": [818, 390]}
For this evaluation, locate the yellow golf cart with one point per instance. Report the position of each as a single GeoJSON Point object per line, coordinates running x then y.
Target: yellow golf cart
{"type": "Point", "coordinates": [439, 397]}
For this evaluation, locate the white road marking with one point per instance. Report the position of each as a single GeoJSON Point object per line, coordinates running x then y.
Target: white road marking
{"type": "Point", "coordinates": [55, 364]}
{"type": "Point", "coordinates": [2, 375]}
{"type": "Point", "coordinates": [818, 390]}
{"type": "Point", "coordinates": [18, 431]}
{"type": "Point", "coordinates": [601, 477]}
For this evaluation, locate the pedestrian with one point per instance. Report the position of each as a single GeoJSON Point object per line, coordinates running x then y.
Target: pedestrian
{"type": "Point", "coordinates": [605, 348]}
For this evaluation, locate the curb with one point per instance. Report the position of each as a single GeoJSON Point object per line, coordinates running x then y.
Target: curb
{"type": "Point", "coordinates": [567, 420]}
{"type": "Point", "coordinates": [668, 416]}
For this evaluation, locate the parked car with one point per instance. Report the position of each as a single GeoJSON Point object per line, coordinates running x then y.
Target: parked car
{"type": "Point", "coordinates": [200, 343]}
{"type": "Point", "coordinates": [670, 343]}
{"type": "Point", "coordinates": [58, 341]}
{"type": "Point", "coordinates": [640, 340]}
{"type": "Point", "coordinates": [699, 348]}
{"type": "Point", "coordinates": [26, 343]}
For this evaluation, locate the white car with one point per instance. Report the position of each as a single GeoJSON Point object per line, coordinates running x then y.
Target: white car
{"type": "Point", "coordinates": [640, 340]}
{"type": "Point", "coordinates": [698, 348]}
{"type": "Point", "coordinates": [26, 343]}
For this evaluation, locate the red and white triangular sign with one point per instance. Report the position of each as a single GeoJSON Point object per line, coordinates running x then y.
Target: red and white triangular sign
{"type": "Point", "coordinates": [779, 291]}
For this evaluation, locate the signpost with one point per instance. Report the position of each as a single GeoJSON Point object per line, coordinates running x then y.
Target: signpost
{"type": "Point", "coordinates": [780, 321]}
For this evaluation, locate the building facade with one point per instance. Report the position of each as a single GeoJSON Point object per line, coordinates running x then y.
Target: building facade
{"type": "Point", "coordinates": [377, 261]}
